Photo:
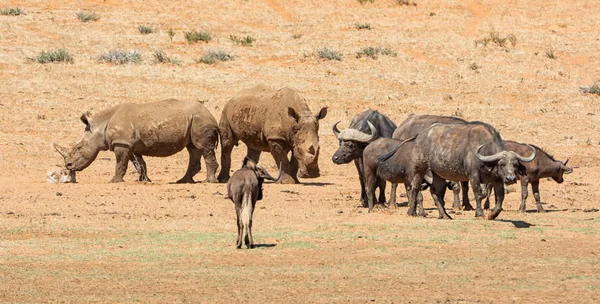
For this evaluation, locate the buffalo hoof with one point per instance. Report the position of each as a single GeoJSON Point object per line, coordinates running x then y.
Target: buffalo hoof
{"type": "Point", "coordinates": [467, 207]}
{"type": "Point", "coordinates": [444, 217]}
{"type": "Point", "coordinates": [541, 210]}
{"type": "Point", "coordinates": [494, 214]}
{"type": "Point", "coordinates": [411, 213]}
{"type": "Point", "coordinates": [144, 180]}
{"type": "Point", "coordinates": [223, 178]}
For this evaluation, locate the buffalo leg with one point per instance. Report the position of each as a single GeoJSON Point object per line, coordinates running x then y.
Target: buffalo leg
{"type": "Point", "coordinates": [456, 191]}
{"type": "Point", "coordinates": [477, 193]}
{"type": "Point", "coordinates": [358, 162]}
{"type": "Point", "coordinates": [140, 167]}
{"type": "Point", "coordinates": [488, 194]}
{"type": "Point", "coordinates": [228, 140]}
{"type": "Point", "coordinates": [438, 187]}
{"type": "Point", "coordinates": [381, 186]}
{"type": "Point", "coordinates": [392, 200]}
{"type": "Point", "coordinates": [412, 191]}
{"type": "Point", "coordinates": [535, 188]}
{"type": "Point", "coordinates": [123, 155]}
{"type": "Point", "coordinates": [280, 150]}
{"type": "Point", "coordinates": [193, 165]}
{"type": "Point", "coordinates": [465, 197]}
{"type": "Point", "coordinates": [499, 195]}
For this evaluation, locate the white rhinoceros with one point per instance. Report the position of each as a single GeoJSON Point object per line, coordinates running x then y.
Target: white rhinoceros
{"type": "Point", "coordinates": [160, 128]}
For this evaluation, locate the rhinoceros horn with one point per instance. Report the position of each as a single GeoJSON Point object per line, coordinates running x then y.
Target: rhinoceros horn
{"type": "Point", "coordinates": [356, 135]}
{"type": "Point", "coordinates": [61, 150]}
{"type": "Point", "coordinates": [488, 158]}
{"type": "Point", "coordinates": [526, 159]}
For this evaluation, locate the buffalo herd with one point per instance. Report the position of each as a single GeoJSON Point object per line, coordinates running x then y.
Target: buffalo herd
{"type": "Point", "coordinates": [424, 151]}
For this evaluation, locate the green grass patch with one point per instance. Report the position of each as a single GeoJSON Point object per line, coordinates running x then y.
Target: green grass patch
{"type": "Point", "coordinates": [375, 52]}
{"type": "Point", "coordinates": [118, 56]}
{"type": "Point", "coordinates": [13, 11]}
{"type": "Point", "coordinates": [87, 16]}
{"type": "Point", "coordinates": [212, 57]}
{"type": "Point", "coordinates": [195, 36]}
{"type": "Point", "coordinates": [57, 56]}
{"type": "Point", "coordinates": [592, 89]}
{"type": "Point", "coordinates": [245, 41]}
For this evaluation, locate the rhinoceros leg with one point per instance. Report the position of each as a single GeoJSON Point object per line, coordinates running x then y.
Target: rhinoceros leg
{"type": "Point", "coordinates": [123, 155]}
{"type": "Point", "coordinates": [279, 150]}
{"type": "Point", "coordinates": [228, 141]}
{"type": "Point", "coordinates": [193, 165]}
{"type": "Point", "coordinates": [140, 166]}
{"type": "Point", "coordinates": [211, 165]}
{"type": "Point", "coordinates": [252, 154]}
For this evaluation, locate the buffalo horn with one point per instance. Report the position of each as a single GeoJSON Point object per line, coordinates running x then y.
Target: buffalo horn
{"type": "Point", "coordinates": [267, 175]}
{"type": "Point", "coordinates": [565, 162]}
{"type": "Point", "coordinates": [356, 135]}
{"type": "Point", "coordinates": [526, 159]}
{"type": "Point", "coordinates": [336, 131]}
{"type": "Point", "coordinates": [488, 158]}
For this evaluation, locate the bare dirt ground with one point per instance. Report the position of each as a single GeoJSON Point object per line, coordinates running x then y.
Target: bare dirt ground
{"type": "Point", "coordinates": [164, 242]}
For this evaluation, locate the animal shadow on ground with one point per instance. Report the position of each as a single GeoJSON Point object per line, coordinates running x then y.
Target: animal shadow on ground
{"type": "Point", "coordinates": [547, 211]}
{"type": "Point", "coordinates": [318, 184]}
{"type": "Point", "coordinates": [264, 245]}
{"type": "Point", "coordinates": [518, 224]}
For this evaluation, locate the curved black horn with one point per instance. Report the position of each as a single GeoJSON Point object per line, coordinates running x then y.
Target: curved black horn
{"type": "Point", "coordinates": [488, 158]}
{"type": "Point", "coordinates": [336, 131]}
{"type": "Point", "coordinates": [565, 162]}
{"type": "Point", "coordinates": [526, 159]}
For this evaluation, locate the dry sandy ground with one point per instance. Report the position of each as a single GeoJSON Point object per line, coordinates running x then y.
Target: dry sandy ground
{"type": "Point", "coordinates": [163, 242]}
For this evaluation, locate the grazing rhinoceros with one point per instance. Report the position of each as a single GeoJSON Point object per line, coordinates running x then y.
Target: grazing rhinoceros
{"type": "Point", "coordinates": [276, 121]}
{"type": "Point", "coordinates": [160, 128]}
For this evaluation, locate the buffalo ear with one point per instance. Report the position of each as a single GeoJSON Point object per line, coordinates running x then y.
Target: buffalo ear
{"type": "Point", "coordinates": [322, 113]}
{"type": "Point", "coordinates": [521, 169]}
{"type": "Point", "coordinates": [292, 113]}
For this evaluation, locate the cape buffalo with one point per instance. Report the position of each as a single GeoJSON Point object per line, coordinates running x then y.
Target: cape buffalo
{"type": "Point", "coordinates": [542, 166]}
{"type": "Point", "coordinates": [352, 142]}
{"type": "Point", "coordinates": [244, 188]}
{"type": "Point", "coordinates": [416, 124]}
{"type": "Point", "coordinates": [471, 152]}
{"type": "Point", "coordinates": [276, 121]}
{"type": "Point", "coordinates": [397, 167]}
{"type": "Point", "coordinates": [160, 128]}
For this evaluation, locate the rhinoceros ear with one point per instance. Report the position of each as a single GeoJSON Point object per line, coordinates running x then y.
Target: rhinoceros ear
{"type": "Point", "coordinates": [321, 113]}
{"type": "Point", "coordinates": [292, 113]}
{"type": "Point", "coordinates": [85, 118]}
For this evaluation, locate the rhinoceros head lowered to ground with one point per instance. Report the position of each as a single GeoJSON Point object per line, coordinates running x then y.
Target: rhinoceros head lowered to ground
{"type": "Point", "coordinates": [306, 141]}
{"type": "Point", "coordinates": [86, 150]}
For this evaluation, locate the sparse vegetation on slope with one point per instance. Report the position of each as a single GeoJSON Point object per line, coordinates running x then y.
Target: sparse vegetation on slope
{"type": "Point", "coordinates": [592, 89]}
{"type": "Point", "coordinates": [14, 11]}
{"type": "Point", "coordinates": [56, 56]}
{"type": "Point", "coordinates": [195, 36]}
{"type": "Point", "coordinates": [144, 29]}
{"type": "Point", "coordinates": [494, 37]}
{"type": "Point", "coordinates": [161, 57]}
{"type": "Point", "coordinates": [328, 54]}
{"type": "Point", "coordinates": [87, 17]}
{"type": "Point", "coordinates": [245, 41]}
{"type": "Point", "coordinates": [374, 52]}
{"type": "Point", "coordinates": [117, 56]}
{"type": "Point", "coordinates": [212, 57]}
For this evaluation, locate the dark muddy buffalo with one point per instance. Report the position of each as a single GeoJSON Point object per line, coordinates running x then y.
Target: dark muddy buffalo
{"type": "Point", "coordinates": [415, 124]}
{"type": "Point", "coordinates": [352, 142]}
{"type": "Point", "coordinates": [472, 152]}
{"type": "Point", "coordinates": [542, 166]}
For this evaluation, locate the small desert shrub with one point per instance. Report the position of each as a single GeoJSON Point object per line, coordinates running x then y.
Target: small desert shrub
{"type": "Point", "coordinates": [59, 55]}
{"type": "Point", "coordinates": [15, 11]}
{"type": "Point", "coordinates": [474, 66]}
{"type": "Point", "coordinates": [144, 29]}
{"type": "Point", "coordinates": [593, 89]}
{"type": "Point", "coordinates": [494, 37]}
{"type": "Point", "coordinates": [297, 36]}
{"type": "Point", "coordinates": [171, 34]}
{"type": "Point", "coordinates": [195, 36]}
{"type": "Point", "coordinates": [374, 52]}
{"type": "Point", "coordinates": [212, 57]}
{"type": "Point", "coordinates": [117, 56]}
{"type": "Point", "coordinates": [328, 54]}
{"type": "Point", "coordinates": [243, 40]}
{"type": "Point", "coordinates": [550, 54]}
{"type": "Point", "coordinates": [406, 2]}
{"type": "Point", "coordinates": [161, 57]}
{"type": "Point", "coordinates": [87, 17]}
{"type": "Point", "coordinates": [365, 1]}
{"type": "Point", "coordinates": [362, 26]}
